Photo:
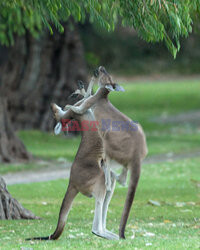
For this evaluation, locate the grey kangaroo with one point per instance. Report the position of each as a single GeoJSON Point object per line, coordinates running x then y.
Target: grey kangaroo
{"type": "Point", "coordinates": [87, 176]}
{"type": "Point", "coordinates": [126, 146]}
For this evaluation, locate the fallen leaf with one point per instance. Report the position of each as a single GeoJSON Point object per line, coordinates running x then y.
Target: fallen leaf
{"type": "Point", "coordinates": [180, 204]}
{"type": "Point", "coordinates": [148, 244]}
{"type": "Point", "coordinates": [148, 234]}
{"type": "Point", "coordinates": [26, 248]}
{"type": "Point", "coordinates": [133, 226]}
{"type": "Point", "coordinates": [80, 234]}
{"type": "Point", "coordinates": [71, 236]}
{"type": "Point", "coordinates": [133, 236]}
{"type": "Point", "coordinates": [154, 203]}
{"type": "Point", "coordinates": [167, 221]}
{"type": "Point", "coordinates": [186, 210]}
{"type": "Point", "coordinates": [192, 203]}
{"type": "Point", "coordinates": [196, 226]}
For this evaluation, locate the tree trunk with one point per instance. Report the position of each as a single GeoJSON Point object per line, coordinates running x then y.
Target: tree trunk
{"type": "Point", "coordinates": [41, 71]}
{"type": "Point", "coordinates": [11, 208]}
{"type": "Point", "coordinates": [35, 73]}
{"type": "Point", "coordinates": [11, 148]}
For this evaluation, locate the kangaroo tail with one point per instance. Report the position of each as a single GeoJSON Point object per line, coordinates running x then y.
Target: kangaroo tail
{"type": "Point", "coordinates": [39, 238]}
{"type": "Point", "coordinates": [134, 177]}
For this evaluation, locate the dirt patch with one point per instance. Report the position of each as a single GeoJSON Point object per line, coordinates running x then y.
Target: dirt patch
{"type": "Point", "coordinates": [61, 169]}
{"type": "Point", "coordinates": [186, 117]}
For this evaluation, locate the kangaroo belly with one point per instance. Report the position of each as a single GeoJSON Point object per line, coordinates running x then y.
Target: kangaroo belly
{"type": "Point", "coordinates": [85, 175]}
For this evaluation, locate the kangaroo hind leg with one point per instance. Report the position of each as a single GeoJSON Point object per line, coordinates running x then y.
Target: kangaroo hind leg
{"type": "Point", "coordinates": [109, 194]}
{"type": "Point", "coordinates": [122, 177]}
{"type": "Point", "coordinates": [64, 211]}
{"type": "Point", "coordinates": [97, 227]}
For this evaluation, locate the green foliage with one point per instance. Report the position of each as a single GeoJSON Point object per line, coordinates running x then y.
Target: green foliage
{"type": "Point", "coordinates": [174, 225]}
{"type": "Point", "coordinates": [154, 20]}
{"type": "Point", "coordinates": [158, 20]}
{"type": "Point", "coordinates": [91, 59]}
{"type": "Point", "coordinates": [20, 15]}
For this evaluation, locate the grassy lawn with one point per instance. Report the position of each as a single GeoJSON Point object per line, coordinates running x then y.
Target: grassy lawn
{"type": "Point", "coordinates": [48, 145]}
{"type": "Point", "coordinates": [142, 101]}
{"type": "Point", "coordinates": [174, 224]}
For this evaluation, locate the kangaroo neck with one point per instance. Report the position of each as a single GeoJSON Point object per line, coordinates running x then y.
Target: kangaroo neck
{"type": "Point", "coordinates": [102, 93]}
{"type": "Point", "coordinates": [90, 136]}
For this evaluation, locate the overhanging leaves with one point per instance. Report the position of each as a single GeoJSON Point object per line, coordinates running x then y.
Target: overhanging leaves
{"type": "Point", "coordinates": [154, 20]}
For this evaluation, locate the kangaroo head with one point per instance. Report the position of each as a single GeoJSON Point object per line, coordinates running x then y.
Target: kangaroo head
{"type": "Point", "coordinates": [105, 80]}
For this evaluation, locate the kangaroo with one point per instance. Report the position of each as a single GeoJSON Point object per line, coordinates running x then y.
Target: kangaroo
{"type": "Point", "coordinates": [126, 146]}
{"type": "Point", "coordinates": [81, 91]}
{"type": "Point", "coordinates": [87, 176]}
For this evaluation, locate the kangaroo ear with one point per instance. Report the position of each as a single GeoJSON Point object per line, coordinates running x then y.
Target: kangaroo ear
{"type": "Point", "coordinates": [109, 87]}
{"type": "Point", "coordinates": [80, 84]}
{"type": "Point", "coordinates": [103, 70]}
{"type": "Point", "coordinates": [73, 96]}
{"type": "Point", "coordinates": [119, 88]}
{"type": "Point", "coordinates": [96, 72]}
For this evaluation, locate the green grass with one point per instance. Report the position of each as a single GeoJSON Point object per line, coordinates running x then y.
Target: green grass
{"type": "Point", "coordinates": [174, 227]}
{"type": "Point", "coordinates": [141, 101]}
{"type": "Point", "coordinates": [48, 145]}
{"type": "Point", "coordinates": [168, 183]}
{"type": "Point", "coordinates": [43, 146]}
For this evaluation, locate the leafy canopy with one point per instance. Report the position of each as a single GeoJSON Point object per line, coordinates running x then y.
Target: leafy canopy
{"type": "Point", "coordinates": [154, 20]}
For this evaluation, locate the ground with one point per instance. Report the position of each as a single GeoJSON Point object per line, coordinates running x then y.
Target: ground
{"type": "Point", "coordinates": [165, 213]}
{"type": "Point", "coordinates": [172, 223]}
